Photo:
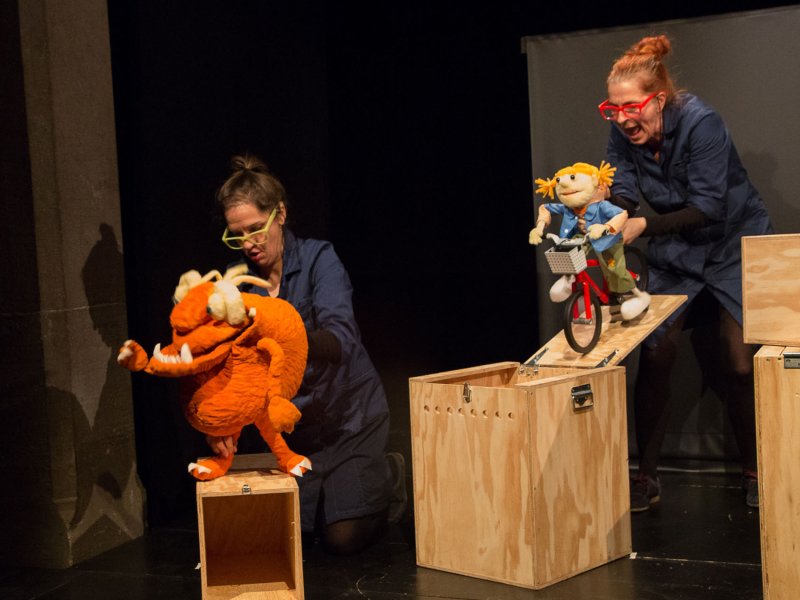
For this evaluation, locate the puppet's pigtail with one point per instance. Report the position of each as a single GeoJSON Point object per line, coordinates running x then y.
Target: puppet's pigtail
{"type": "Point", "coordinates": [605, 174]}
{"type": "Point", "coordinates": [546, 187]}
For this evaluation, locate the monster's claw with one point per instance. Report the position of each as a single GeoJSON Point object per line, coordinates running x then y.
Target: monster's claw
{"type": "Point", "coordinates": [132, 356]}
{"type": "Point", "coordinates": [200, 468]}
{"type": "Point", "coordinates": [210, 468]}
{"type": "Point", "coordinates": [301, 467]}
{"type": "Point", "coordinates": [124, 353]}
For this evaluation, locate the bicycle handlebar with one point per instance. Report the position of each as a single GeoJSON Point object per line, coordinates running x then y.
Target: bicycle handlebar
{"type": "Point", "coordinates": [575, 242]}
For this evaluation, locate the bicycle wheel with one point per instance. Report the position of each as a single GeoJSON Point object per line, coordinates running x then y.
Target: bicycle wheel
{"type": "Point", "coordinates": [582, 332]}
{"type": "Point", "coordinates": [636, 263]}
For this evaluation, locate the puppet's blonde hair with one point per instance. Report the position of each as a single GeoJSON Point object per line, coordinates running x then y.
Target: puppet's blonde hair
{"type": "Point", "coordinates": [604, 174]}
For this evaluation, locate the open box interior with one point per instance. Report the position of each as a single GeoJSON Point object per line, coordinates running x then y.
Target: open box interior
{"type": "Point", "coordinates": [249, 542]}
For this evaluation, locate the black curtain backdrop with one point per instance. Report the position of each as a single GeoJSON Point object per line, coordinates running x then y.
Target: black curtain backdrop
{"type": "Point", "coordinates": [401, 132]}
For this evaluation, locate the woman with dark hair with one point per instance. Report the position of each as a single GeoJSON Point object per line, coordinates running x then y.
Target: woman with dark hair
{"type": "Point", "coordinates": [345, 417]}
{"type": "Point", "coordinates": [674, 151]}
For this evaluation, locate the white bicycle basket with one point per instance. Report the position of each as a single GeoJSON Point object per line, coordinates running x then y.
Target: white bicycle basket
{"type": "Point", "coordinates": [566, 262]}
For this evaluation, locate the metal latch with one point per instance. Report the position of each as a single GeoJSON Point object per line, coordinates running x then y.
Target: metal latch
{"type": "Point", "coordinates": [791, 360]}
{"type": "Point", "coordinates": [532, 366]}
{"type": "Point", "coordinates": [466, 393]}
{"type": "Point", "coordinates": [582, 397]}
{"type": "Point", "coordinates": [246, 490]}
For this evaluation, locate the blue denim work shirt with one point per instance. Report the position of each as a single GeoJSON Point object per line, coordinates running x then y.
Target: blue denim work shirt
{"type": "Point", "coordinates": [334, 399]}
{"type": "Point", "coordinates": [597, 212]}
{"type": "Point", "coordinates": [698, 166]}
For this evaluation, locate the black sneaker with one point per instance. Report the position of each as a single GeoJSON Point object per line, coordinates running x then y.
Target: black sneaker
{"type": "Point", "coordinates": [399, 499]}
{"type": "Point", "coordinates": [750, 487]}
{"type": "Point", "coordinates": [645, 491]}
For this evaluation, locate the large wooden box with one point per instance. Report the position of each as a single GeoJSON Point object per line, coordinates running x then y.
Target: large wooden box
{"type": "Point", "coordinates": [249, 527]}
{"type": "Point", "coordinates": [771, 289]}
{"type": "Point", "coordinates": [777, 381]}
{"type": "Point", "coordinates": [521, 470]}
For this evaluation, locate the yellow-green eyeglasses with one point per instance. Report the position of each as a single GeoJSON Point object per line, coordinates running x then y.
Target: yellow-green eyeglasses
{"type": "Point", "coordinates": [236, 242]}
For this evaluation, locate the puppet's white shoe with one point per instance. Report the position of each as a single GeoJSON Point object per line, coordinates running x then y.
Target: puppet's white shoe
{"type": "Point", "coordinates": [562, 288]}
{"type": "Point", "coordinates": [633, 307]}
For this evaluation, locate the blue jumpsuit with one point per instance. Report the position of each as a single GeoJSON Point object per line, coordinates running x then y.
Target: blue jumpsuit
{"type": "Point", "coordinates": [697, 166]}
{"type": "Point", "coordinates": [345, 415]}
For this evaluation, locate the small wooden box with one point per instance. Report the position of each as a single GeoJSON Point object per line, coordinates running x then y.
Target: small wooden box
{"type": "Point", "coordinates": [771, 289]}
{"type": "Point", "coordinates": [249, 526]}
{"type": "Point", "coordinates": [521, 471]}
{"type": "Point", "coordinates": [777, 387]}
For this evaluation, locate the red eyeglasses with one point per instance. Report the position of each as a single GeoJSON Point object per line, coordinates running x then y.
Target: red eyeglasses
{"type": "Point", "coordinates": [610, 111]}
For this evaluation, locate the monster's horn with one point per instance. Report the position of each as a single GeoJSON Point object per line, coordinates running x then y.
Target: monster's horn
{"type": "Point", "coordinates": [235, 271]}
{"type": "Point", "coordinates": [226, 303]}
{"type": "Point", "coordinates": [253, 281]}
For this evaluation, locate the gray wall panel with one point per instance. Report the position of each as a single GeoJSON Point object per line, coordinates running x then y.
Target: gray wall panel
{"type": "Point", "coordinates": [743, 64]}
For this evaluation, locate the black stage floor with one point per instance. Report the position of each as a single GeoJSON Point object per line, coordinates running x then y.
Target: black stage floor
{"type": "Point", "coordinates": [701, 543]}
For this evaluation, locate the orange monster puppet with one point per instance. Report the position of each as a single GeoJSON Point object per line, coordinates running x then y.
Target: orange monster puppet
{"type": "Point", "coordinates": [241, 356]}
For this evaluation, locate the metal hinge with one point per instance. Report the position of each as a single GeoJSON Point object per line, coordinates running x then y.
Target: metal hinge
{"type": "Point", "coordinates": [791, 360]}
{"type": "Point", "coordinates": [532, 366]}
{"type": "Point", "coordinates": [607, 359]}
{"type": "Point", "coordinates": [246, 490]}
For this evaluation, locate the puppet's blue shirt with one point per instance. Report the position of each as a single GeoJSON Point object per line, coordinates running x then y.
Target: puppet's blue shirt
{"type": "Point", "coordinates": [597, 212]}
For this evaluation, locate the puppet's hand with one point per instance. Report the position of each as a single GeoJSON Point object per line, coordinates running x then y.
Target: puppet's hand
{"type": "Point", "coordinates": [535, 236]}
{"type": "Point", "coordinates": [283, 414]}
{"type": "Point", "coordinates": [597, 230]}
{"type": "Point", "coordinates": [132, 356]}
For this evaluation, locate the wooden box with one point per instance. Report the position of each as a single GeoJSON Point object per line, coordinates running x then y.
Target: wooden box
{"type": "Point", "coordinates": [771, 289]}
{"type": "Point", "coordinates": [521, 470]}
{"type": "Point", "coordinates": [249, 527]}
{"type": "Point", "coordinates": [777, 381]}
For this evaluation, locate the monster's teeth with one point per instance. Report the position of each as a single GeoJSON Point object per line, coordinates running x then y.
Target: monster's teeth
{"type": "Point", "coordinates": [252, 312]}
{"type": "Point", "coordinates": [157, 353]}
{"type": "Point", "coordinates": [186, 354]}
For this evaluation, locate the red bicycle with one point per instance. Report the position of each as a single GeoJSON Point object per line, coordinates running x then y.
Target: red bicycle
{"type": "Point", "coordinates": [583, 319]}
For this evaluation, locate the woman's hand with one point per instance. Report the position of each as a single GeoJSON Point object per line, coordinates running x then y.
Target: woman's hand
{"type": "Point", "coordinates": [633, 228]}
{"type": "Point", "coordinates": [222, 446]}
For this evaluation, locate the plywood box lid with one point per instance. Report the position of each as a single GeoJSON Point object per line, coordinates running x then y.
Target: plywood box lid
{"type": "Point", "coordinates": [249, 474]}
{"type": "Point", "coordinates": [617, 338]}
{"type": "Point", "coordinates": [771, 289]}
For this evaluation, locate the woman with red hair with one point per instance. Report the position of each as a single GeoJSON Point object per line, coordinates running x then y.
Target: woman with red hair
{"type": "Point", "coordinates": [673, 150]}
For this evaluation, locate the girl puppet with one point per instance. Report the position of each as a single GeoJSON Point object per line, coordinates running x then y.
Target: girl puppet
{"type": "Point", "coordinates": [581, 188]}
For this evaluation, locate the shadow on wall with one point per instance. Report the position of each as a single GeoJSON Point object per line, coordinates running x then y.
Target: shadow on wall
{"type": "Point", "coordinates": [109, 495]}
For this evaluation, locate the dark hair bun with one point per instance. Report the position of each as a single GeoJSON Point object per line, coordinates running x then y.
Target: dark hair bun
{"type": "Point", "coordinates": [248, 162]}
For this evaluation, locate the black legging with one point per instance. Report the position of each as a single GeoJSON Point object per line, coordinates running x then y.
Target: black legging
{"type": "Point", "coordinates": [727, 366]}
{"type": "Point", "coordinates": [347, 536]}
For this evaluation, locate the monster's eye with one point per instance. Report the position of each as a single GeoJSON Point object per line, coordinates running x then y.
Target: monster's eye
{"type": "Point", "coordinates": [558, 179]}
{"type": "Point", "coordinates": [208, 309]}
{"type": "Point", "coordinates": [572, 177]}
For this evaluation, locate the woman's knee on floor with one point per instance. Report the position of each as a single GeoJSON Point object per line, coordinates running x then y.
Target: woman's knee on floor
{"type": "Point", "coordinates": [350, 536]}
